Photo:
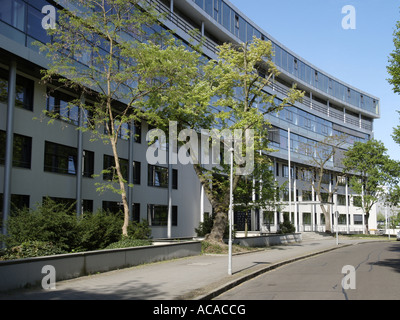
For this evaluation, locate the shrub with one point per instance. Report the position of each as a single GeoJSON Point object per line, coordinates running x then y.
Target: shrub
{"type": "Point", "coordinates": [128, 242]}
{"type": "Point", "coordinates": [51, 222]}
{"type": "Point", "coordinates": [286, 227]}
{"type": "Point", "coordinates": [139, 230]}
{"type": "Point", "coordinates": [53, 228]}
{"type": "Point", "coordinates": [98, 230]}
{"type": "Point", "coordinates": [204, 227]}
{"type": "Point", "coordinates": [31, 249]}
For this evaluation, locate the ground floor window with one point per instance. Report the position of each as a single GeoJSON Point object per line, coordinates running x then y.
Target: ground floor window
{"type": "Point", "coordinates": [269, 217]}
{"type": "Point", "coordinates": [18, 201]}
{"type": "Point", "coordinates": [357, 219]}
{"type": "Point", "coordinates": [307, 218]}
{"type": "Point", "coordinates": [342, 219]}
{"type": "Point", "coordinates": [157, 215]}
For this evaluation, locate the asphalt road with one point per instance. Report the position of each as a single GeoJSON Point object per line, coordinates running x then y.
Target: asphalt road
{"type": "Point", "coordinates": [373, 272]}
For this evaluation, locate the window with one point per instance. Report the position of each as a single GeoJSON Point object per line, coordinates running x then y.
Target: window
{"type": "Point", "coordinates": [87, 205]}
{"type": "Point", "coordinates": [357, 219]}
{"type": "Point", "coordinates": [324, 197]}
{"type": "Point", "coordinates": [157, 215]}
{"type": "Point", "coordinates": [113, 207]}
{"type": "Point", "coordinates": [307, 218]}
{"type": "Point", "coordinates": [110, 172]}
{"type": "Point", "coordinates": [289, 115]}
{"type": "Point", "coordinates": [34, 25]}
{"type": "Point", "coordinates": [357, 201]}
{"type": "Point", "coordinates": [24, 90]}
{"type": "Point", "coordinates": [63, 159]}
{"type": "Point", "coordinates": [277, 169]}
{"type": "Point", "coordinates": [136, 172]}
{"type": "Point", "coordinates": [22, 150]}
{"type": "Point", "coordinates": [341, 200]}
{"type": "Point", "coordinates": [138, 133]}
{"type": "Point", "coordinates": [174, 179]}
{"type": "Point", "coordinates": [306, 195]}
{"type": "Point", "coordinates": [18, 201]}
{"type": "Point", "coordinates": [13, 13]}
{"type": "Point", "coordinates": [285, 171]}
{"type": "Point", "coordinates": [59, 104]}
{"type": "Point", "coordinates": [341, 180]}
{"type": "Point", "coordinates": [136, 212]}
{"type": "Point", "coordinates": [157, 176]}
{"type": "Point", "coordinates": [342, 219]}
{"type": "Point", "coordinates": [269, 217]}
{"type": "Point", "coordinates": [24, 93]}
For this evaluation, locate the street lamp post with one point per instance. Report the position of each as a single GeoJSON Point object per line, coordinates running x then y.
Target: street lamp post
{"type": "Point", "coordinates": [290, 183]}
{"type": "Point", "coordinates": [337, 229]}
{"type": "Point", "coordinates": [230, 216]}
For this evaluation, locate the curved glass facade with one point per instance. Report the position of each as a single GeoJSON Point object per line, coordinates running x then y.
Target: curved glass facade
{"type": "Point", "coordinates": [222, 12]}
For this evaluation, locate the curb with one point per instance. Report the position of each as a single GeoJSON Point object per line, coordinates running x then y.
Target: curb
{"type": "Point", "coordinates": [218, 291]}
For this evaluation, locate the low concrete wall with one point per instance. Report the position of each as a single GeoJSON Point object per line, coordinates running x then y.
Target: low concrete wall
{"type": "Point", "coordinates": [22, 273]}
{"type": "Point", "coordinates": [268, 240]}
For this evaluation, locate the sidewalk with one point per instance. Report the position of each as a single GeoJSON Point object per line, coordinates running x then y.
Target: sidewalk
{"type": "Point", "coordinates": [199, 277]}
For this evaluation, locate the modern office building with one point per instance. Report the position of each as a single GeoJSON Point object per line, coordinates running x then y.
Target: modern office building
{"type": "Point", "coordinates": [46, 157]}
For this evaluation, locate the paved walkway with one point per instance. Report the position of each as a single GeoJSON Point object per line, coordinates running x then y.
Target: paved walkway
{"type": "Point", "coordinates": [199, 277]}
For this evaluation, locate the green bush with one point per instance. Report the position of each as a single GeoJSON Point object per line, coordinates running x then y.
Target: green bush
{"type": "Point", "coordinates": [51, 222]}
{"type": "Point", "coordinates": [53, 228]}
{"type": "Point", "coordinates": [204, 227]}
{"type": "Point", "coordinates": [286, 227]}
{"type": "Point", "coordinates": [31, 249]}
{"type": "Point", "coordinates": [139, 230]}
{"type": "Point", "coordinates": [98, 230]}
{"type": "Point", "coordinates": [128, 242]}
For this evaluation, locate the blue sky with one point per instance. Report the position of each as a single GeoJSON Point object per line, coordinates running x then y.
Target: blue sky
{"type": "Point", "coordinates": [313, 30]}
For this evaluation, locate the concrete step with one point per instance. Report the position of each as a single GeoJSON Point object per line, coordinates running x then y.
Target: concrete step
{"type": "Point", "coordinates": [315, 236]}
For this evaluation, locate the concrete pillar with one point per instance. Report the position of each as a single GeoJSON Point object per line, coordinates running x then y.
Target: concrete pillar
{"type": "Point", "coordinates": [201, 203]}
{"type": "Point", "coordinates": [12, 82]}
{"type": "Point", "coordinates": [79, 169]}
{"type": "Point", "coordinates": [347, 207]}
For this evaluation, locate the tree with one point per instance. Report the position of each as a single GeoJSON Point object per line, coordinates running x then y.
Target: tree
{"type": "Point", "coordinates": [394, 71]}
{"type": "Point", "coordinates": [394, 61]}
{"type": "Point", "coordinates": [371, 171]}
{"type": "Point", "coordinates": [114, 54]}
{"type": "Point", "coordinates": [238, 78]}
{"type": "Point", "coordinates": [317, 174]}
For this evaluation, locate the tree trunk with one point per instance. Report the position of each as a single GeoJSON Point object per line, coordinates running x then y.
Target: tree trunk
{"type": "Point", "coordinates": [327, 215]}
{"type": "Point", "coordinates": [366, 231]}
{"type": "Point", "coordinates": [122, 188]}
{"type": "Point", "coordinates": [219, 227]}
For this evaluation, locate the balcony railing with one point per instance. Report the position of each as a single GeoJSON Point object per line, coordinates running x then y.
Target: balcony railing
{"type": "Point", "coordinates": [278, 87]}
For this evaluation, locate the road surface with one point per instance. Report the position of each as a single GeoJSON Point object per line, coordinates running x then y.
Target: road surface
{"type": "Point", "coordinates": [371, 271]}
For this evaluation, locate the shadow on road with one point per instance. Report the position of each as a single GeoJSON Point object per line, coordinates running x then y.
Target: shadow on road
{"type": "Point", "coordinates": [390, 263]}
